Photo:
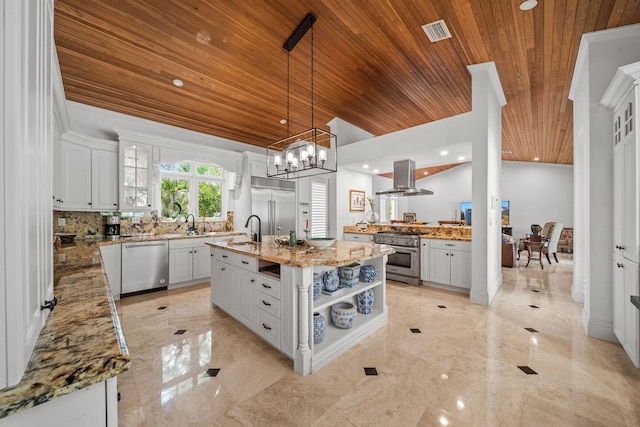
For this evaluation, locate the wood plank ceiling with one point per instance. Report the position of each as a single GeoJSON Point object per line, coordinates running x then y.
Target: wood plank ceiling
{"type": "Point", "coordinates": [373, 64]}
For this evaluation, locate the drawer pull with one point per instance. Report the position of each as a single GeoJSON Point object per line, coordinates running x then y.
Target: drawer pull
{"type": "Point", "coordinates": [268, 328]}
{"type": "Point", "coordinates": [266, 286]}
{"type": "Point", "coordinates": [449, 244]}
{"type": "Point", "coordinates": [253, 280]}
{"type": "Point", "coordinates": [266, 303]}
{"type": "Point", "coordinates": [245, 262]}
{"type": "Point", "coordinates": [225, 256]}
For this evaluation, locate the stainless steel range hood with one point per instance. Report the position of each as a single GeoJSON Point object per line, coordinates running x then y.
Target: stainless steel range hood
{"type": "Point", "coordinates": [404, 180]}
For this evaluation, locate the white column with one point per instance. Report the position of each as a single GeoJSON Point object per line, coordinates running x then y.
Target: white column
{"type": "Point", "coordinates": [303, 279]}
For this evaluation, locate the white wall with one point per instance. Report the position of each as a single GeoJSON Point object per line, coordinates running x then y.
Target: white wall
{"type": "Point", "coordinates": [537, 193]}
{"type": "Point", "coordinates": [449, 189]}
{"type": "Point", "coordinates": [524, 185]}
{"type": "Point", "coordinates": [349, 180]}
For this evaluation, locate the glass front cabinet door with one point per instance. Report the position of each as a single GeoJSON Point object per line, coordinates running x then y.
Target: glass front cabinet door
{"type": "Point", "coordinates": [135, 176]}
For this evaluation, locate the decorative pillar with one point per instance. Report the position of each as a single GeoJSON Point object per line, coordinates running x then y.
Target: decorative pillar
{"type": "Point", "coordinates": [302, 362]}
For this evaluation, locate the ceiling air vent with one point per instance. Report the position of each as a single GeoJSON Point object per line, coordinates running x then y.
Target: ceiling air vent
{"type": "Point", "coordinates": [437, 31]}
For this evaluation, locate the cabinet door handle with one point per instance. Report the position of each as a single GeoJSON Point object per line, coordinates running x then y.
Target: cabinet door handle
{"type": "Point", "coordinates": [89, 203]}
{"type": "Point", "coordinates": [268, 304]}
{"type": "Point", "coordinates": [266, 286]}
{"type": "Point", "coordinates": [245, 262]}
{"type": "Point", "coordinates": [451, 254]}
{"type": "Point", "coordinates": [195, 252]}
{"type": "Point", "coordinates": [222, 269]}
{"type": "Point", "coordinates": [253, 280]}
{"type": "Point", "coordinates": [620, 265]}
{"type": "Point", "coordinates": [225, 256]}
{"type": "Point", "coordinates": [266, 327]}
{"type": "Point", "coordinates": [115, 204]}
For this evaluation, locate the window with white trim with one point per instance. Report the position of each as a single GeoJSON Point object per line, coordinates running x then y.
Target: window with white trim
{"type": "Point", "coordinates": [191, 188]}
{"type": "Point", "coordinates": [388, 209]}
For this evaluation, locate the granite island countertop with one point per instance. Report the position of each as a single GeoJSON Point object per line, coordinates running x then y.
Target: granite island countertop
{"type": "Point", "coordinates": [81, 342]}
{"type": "Point", "coordinates": [338, 254]}
{"type": "Point", "coordinates": [425, 231]}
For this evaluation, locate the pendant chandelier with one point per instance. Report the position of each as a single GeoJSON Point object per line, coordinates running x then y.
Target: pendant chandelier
{"type": "Point", "coordinates": [311, 152]}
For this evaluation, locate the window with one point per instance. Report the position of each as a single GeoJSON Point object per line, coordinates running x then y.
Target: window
{"type": "Point", "coordinates": [190, 188]}
{"type": "Point", "coordinates": [319, 209]}
{"type": "Point", "coordinates": [388, 209]}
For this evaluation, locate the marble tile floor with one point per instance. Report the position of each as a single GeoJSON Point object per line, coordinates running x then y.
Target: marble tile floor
{"type": "Point", "coordinates": [461, 369]}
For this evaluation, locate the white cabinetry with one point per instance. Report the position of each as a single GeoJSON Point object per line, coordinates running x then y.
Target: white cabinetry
{"type": "Point", "coordinates": [135, 176]}
{"type": "Point", "coordinates": [250, 297]}
{"type": "Point", "coordinates": [74, 174]}
{"type": "Point", "coordinates": [86, 174]}
{"type": "Point", "coordinates": [26, 142]}
{"type": "Point", "coordinates": [188, 260]}
{"type": "Point", "coordinates": [93, 406]}
{"type": "Point", "coordinates": [104, 180]}
{"type": "Point", "coordinates": [355, 237]}
{"type": "Point", "coordinates": [112, 266]}
{"type": "Point", "coordinates": [622, 97]}
{"type": "Point", "coordinates": [424, 259]}
{"type": "Point", "coordinates": [449, 263]}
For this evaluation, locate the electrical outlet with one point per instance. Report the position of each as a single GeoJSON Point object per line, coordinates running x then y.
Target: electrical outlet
{"type": "Point", "coordinates": [61, 222]}
{"type": "Point", "coordinates": [135, 220]}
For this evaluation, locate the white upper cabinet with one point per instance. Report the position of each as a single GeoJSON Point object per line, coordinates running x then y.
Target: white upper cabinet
{"type": "Point", "coordinates": [75, 176]}
{"type": "Point", "coordinates": [86, 174]}
{"type": "Point", "coordinates": [104, 180]}
{"type": "Point", "coordinates": [135, 176]}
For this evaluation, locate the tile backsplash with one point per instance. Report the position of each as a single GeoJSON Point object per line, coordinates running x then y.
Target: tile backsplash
{"type": "Point", "coordinates": [87, 225]}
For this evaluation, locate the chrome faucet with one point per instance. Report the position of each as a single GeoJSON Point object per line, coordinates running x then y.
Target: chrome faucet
{"type": "Point", "coordinates": [193, 222]}
{"type": "Point", "coordinates": [258, 237]}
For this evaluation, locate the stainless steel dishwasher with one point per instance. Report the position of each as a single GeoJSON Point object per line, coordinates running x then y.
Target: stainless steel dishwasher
{"type": "Point", "coordinates": [145, 266]}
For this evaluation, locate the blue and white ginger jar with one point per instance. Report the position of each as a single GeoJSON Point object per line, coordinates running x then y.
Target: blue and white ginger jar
{"type": "Point", "coordinates": [343, 314]}
{"type": "Point", "coordinates": [319, 328]}
{"type": "Point", "coordinates": [365, 301]}
{"type": "Point", "coordinates": [368, 273]}
{"type": "Point", "coordinates": [317, 286]}
{"type": "Point", "coordinates": [330, 280]}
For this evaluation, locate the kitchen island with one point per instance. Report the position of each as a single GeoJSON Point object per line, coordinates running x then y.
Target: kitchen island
{"type": "Point", "coordinates": [269, 288]}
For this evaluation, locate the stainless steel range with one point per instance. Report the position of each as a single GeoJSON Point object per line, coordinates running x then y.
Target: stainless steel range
{"type": "Point", "coordinates": [404, 265]}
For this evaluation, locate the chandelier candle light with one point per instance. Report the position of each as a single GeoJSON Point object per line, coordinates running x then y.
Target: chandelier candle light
{"type": "Point", "coordinates": [307, 153]}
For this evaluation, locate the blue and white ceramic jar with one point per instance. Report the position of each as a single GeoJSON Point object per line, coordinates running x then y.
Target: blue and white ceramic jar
{"type": "Point", "coordinates": [330, 280]}
{"type": "Point", "coordinates": [319, 328]}
{"type": "Point", "coordinates": [368, 273]}
{"type": "Point", "coordinates": [365, 301]}
{"type": "Point", "coordinates": [343, 314]}
{"type": "Point", "coordinates": [317, 286]}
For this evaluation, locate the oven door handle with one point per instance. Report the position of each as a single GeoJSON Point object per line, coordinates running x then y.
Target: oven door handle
{"type": "Point", "coordinates": [405, 249]}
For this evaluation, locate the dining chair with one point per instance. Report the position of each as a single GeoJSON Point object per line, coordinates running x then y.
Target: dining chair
{"type": "Point", "coordinates": [552, 241]}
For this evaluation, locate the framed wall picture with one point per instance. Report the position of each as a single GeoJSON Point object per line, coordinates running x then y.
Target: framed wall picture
{"type": "Point", "coordinates": [410, 217]}
{"type": "Point", "coordinates": [356, 200]}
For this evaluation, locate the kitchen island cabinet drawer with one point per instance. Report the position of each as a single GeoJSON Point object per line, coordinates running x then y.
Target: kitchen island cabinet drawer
{"type": "Point", "coordinates": [241, 261]}
{"type": "Point", "coordinates": [267, 285]}
{"type": "Point", "coordinates": [268, 327]}
{"type": "Point", "coordinates": [266, 303]}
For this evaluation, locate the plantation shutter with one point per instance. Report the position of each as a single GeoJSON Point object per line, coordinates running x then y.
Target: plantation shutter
{"type": "Point", "coordinates": [319, 208]}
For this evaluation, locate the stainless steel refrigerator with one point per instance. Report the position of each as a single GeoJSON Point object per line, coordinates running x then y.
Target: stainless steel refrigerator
{"type": "Point", "coordinates": [274, 201]}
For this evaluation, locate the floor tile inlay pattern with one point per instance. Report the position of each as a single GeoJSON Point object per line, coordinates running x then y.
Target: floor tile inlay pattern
{"type": "Point", "coordinates": [460, 371]}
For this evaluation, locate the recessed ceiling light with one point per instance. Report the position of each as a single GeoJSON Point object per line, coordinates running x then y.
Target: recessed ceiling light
{"type": "Point", "coordinates": [178, 82]}
{"type": "Point", "coordinates": [425, 173]}
{"type": "Point", "coordinates": [461, 158]}
{"type": "Point", "coordinates": [528, 4]}
{"type": "Point", "coordinates": [536, 158]}
{"type": "Point", "coordinates": [506, 151]}
{"type": "Point", "coordinates": [365, 166]}
{"type": "Point", "coordinates": [283, 121]}
{"type": "Point", "coordinates": [376, 171]}
{"type": "Point", "coordinates": [444, 152]}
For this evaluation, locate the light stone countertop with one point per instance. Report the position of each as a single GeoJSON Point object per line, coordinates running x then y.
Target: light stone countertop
{"type": "Point", "coordinates": [338, 254]}
{"type": "Point", "coordinates": [82, 342]}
